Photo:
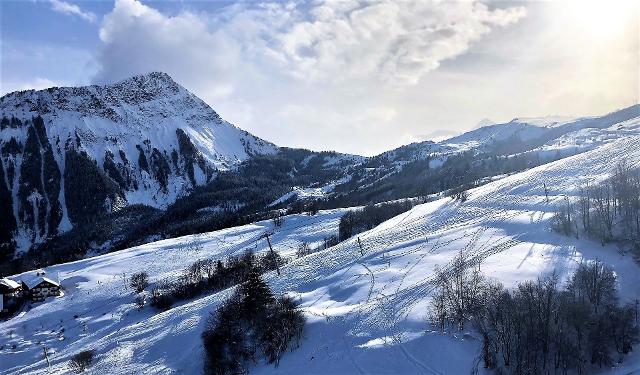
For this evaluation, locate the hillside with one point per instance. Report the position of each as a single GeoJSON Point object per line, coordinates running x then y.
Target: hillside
{"type": "Point", "coordinates": [366, 313]}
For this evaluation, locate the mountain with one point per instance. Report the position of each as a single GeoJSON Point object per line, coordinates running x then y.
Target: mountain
{"type": "Point", "coordinates": [141, 175]}
{"type": "Point", "coordinates": [95, 169]}
{"type": "Point", "coordinates": [70, 154]}
{"type": "Point", "coordinates": [436, 135]}
{"type": "Point", "coordinates": [521, 134]}
{"type": "Point", "coordinates": [466, 160]}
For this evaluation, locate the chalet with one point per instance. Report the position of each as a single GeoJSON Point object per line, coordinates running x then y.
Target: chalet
{"type": "Point", "coordinates": [10, 288]}
{"type": "Point", "coordinates": [9, 291]}
{"type": "Point", "coordinates": [39, 286]}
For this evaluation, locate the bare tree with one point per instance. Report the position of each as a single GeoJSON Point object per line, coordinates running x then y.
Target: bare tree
{"type": "Point", "coordinates": [81, 361]}
{"type": "Point", "coordinates": [139, 281]}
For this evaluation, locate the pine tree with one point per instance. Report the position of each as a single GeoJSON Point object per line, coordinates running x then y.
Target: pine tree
{"type": "Point", "coordinates": [255, 295]}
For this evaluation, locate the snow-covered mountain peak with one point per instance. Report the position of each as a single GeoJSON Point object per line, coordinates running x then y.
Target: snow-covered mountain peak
{"type": "Point", "coordinates": [140, 100]}
{"type": "Point", "coordinates": [145, 139]}
{"type": "Point", "coordinates": [482, 123]}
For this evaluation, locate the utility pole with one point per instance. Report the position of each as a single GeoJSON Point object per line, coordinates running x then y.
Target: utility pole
{"type": "Point", "coordinates": [546, 192]}
{"type": "Point", "coordinates": [361, 249]}
{"type": "Point", "coordinates": [273, 254]}
{"type": "Point", "coordinates": [46, 356]}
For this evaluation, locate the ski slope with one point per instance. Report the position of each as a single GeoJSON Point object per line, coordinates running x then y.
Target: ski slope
{"type": "Point", "coordinates": [96, 291]}
{"type": "Point", "coordinates": [366, 308]}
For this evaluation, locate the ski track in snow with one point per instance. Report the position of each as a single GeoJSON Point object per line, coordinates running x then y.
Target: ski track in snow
{"type": "Point", "coordinates": [366, 313]}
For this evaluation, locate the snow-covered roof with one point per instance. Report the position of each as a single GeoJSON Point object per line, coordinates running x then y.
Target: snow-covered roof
{"type": "Point", "coordinates": [9, 283]}
{"type": "Point", "coordinates": [33, 281]}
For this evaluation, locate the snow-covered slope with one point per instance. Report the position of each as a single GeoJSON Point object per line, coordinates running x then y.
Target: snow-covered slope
{"type": "Point", "coordinates": [366, 312]}
{"type": "Point", "coordinates": [96, 292]}
{"type": "Point", "coordinates": [589, 138]}
{"type": "Point", "coordinates": [529, 129]}
{"type": "Point", "coordinates": [488, 134]}
{"type": "Point", "coordinates": [142, 140]}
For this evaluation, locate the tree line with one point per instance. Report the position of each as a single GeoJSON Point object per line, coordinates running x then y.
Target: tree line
{"type": "Point", "coordinates": [608, 211]}
{"type": "Point", "coordinates": [354, 222]}
{"type": "Point", "coordinates": [539, 327]}
{"type": "Point", "coordinates": [417, 179]}
{"type": "Point", "coordinates": [204, 276]}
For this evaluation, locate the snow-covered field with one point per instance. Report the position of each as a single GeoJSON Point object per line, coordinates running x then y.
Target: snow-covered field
{"type": "Point", "coordinates": [366, 313]}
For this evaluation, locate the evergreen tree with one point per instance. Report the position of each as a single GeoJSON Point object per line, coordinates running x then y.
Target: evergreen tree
{"type": "Point", "coordinates": [255, 295]}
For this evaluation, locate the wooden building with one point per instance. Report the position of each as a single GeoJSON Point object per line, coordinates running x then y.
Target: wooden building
{"type": "Point", "coordinates": [10, 291]}
{"type": "Point", "coordinates": [39, 287]}
{"type": "Point", "coordinates": [10, 288]}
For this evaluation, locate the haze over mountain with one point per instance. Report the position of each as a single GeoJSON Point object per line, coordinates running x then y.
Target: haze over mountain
{"type": "Point", "coordinates": [482, 123]}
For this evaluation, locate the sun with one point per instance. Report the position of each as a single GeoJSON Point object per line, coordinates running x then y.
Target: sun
{"type": "Point", "coordinates": [605, 18]}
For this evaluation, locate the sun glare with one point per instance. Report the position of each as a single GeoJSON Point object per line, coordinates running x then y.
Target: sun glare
{"type": "Point", "coordinates": [605, 18]}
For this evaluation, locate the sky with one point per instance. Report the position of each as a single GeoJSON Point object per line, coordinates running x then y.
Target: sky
{"type": "Point", "coordinates": [352, 76]}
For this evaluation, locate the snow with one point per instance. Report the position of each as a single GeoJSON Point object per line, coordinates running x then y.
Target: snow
{"type": "Point", "coordinates": [9, 283]}
{"type": "Point", "coordinates": [96, 291]}
{"type": "Point", "coordinates": [488, 134]}
{"type": "Point", "coordinates": [366, 313]}
{"type": "Point", "coordinates": [548, 121]}
{"type": "Point", "coordinates": [590, 138]}
{"type": "Point", "coordinates": [303, 193]}
{"type": "Point", "coordinates": [535, 127]}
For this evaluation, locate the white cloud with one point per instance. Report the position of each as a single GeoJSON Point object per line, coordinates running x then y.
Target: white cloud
{"type": "Point", "coordinates": [37, 83]}
{"type": "Point", "coordinates": [313, 75]}
{"type": "Point", "coordinates": [360, 76]}
{"type": "Point", "coordinates": [40, 83]}
{"type": "Point", "coordinates": [138, 39]}
{"type": "Point", "coordinates": [396, 42]}
{"type": "Point", "coordinates": [72, 9]}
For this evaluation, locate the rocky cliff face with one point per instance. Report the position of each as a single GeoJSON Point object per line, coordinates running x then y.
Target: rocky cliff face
{"type": "Point", "coordinates": [69, 154]}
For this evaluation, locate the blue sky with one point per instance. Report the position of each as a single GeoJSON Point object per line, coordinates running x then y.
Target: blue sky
{"type": "Point", "coordinates": [42, 44]}
{"type": "Point", "coordinates": [355, 76]}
